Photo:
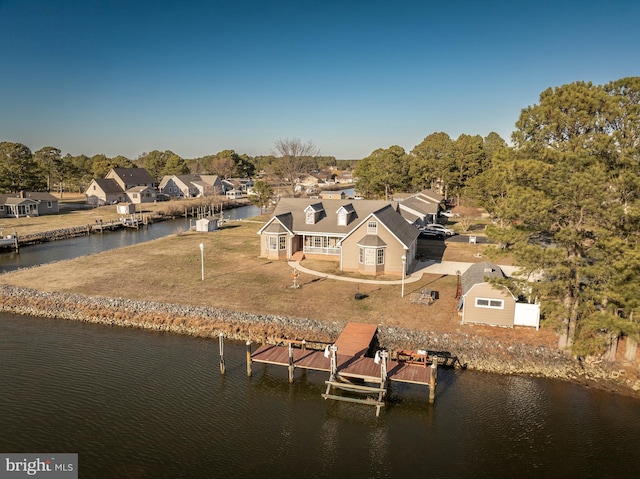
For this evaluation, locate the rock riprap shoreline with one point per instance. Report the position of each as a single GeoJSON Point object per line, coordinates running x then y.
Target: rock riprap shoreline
{"type": "Point", "coordinates": [474, 352]}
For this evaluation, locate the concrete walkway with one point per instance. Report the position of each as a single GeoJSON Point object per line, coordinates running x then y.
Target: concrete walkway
{"type": "Point", "coordinates": [423, 267]}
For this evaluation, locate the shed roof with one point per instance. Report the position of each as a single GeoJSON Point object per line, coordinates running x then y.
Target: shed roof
{"type": "Point", "coordinates": [480, 273]}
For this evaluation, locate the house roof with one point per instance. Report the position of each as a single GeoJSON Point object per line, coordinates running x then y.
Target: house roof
{"type": "Point", "coordinates": [13, 200]}
{"type": "Point", "coordinates": [134, 175]}
{"type": "Point", "coordinates": [431, 196]}
{"type": "Point", "coordinates": [109, 185]}
{"type": "Point", "coordinates": [327, 221]}
{"type": "Point", "coordinates": [187, 180]}
{"type": "Point", "coordinates": [420, 205]}
{"type": "Point", "coordinates": [372, 240]}
{"type": "Point", "coordinates": [480, 273]}
{"type": "Point", "coordinates": [40, 196]}
{"type": "Point", "coordinates": [137, 189]}
{"type": "Point", "coordinates": [33, 195]}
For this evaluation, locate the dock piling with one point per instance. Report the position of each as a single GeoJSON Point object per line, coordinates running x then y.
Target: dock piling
{"type": "Point", "coordinates": [291, 367]}
{"type": "Point", "coordinates": [432, 380]}
{"type": "Point", "coordinates": [221, 342]}
{"type": "Point", "coordinates": [248, 358]}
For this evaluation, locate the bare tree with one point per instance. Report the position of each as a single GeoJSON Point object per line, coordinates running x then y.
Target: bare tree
{"type": "Point", "coordinates": [295, 158]}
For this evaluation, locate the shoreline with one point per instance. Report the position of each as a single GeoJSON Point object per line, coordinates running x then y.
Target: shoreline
{"type": "Point", "coordinates": [476, 353]}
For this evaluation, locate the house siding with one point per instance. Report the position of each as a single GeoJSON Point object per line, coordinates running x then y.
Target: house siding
{"type": "Point", "coordinates": [393, 252]}
{"type": "Point", "coordinates": [495, 317]}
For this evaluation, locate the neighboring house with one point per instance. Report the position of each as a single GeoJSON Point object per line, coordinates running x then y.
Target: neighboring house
{"type": "Point", "coordinates": [191, 186]}
{"type": "Point", "coordinates": [141, 194]}
{"type": "Point", "coordinates": [129, 178]}
{"type": "Point", "coordinates": [27, 203]}
{"type": "Point", "coordinates": [234, 194]}
{"type": "Point", "coordinates": [332, 195]}
{"type": "Point", "coordinates": [495, 305]}
{"type": "Point", "coordinates": [366, 236]}
{"type": "Point", "coordinates": [104, 191]}
{"type": "Point", "coordinates": [242, 184]}
{"type": "Point", "coordinates": [421, 209]}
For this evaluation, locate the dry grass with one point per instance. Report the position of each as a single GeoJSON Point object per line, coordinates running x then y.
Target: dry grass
{"type": "Point", "coordinates": [169, 270]}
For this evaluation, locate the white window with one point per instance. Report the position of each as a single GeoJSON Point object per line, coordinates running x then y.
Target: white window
{"type": "Point", "coordinates": [311, 217]}
{"type": "Point", "coordinates": [490, 303]}
{"type": "Point", "coordinates": [342, 218]}
{"type": "Point", "coordinates": [49, 204]}
{"type": "Point", "coordinates": [369, 256]}
{"type": "Point", "coordinates": [372, 228]}
{"type": "Point", "coordinates": [283, 242]}
{"type": "Point", "coordinates": [380, 256]}
{"type": "Point", "coordinates": [361, 256]}
{"type": "Point", "coordinates": [272, 242]}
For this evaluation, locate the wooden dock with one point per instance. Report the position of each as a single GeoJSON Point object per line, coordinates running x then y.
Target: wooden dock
{"type": "Point", "coordinates": [353, 363]}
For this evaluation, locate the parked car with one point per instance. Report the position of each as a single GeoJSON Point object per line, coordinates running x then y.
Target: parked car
{"type": "Point", "coordinates": [431, 234]}
{"type": "Point", "coordinates": [446, 214]}
{"type": "Point", "coordinates": [442, 229]}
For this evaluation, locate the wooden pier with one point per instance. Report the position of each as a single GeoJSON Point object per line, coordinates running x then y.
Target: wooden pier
{"type": "Point", "coordinates": [354, 364]}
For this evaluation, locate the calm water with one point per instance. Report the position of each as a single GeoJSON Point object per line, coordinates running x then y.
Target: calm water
{"type": "Point", "coordinates": [95, 243]}
{"type": "Point", "coordinates": [137, 404]}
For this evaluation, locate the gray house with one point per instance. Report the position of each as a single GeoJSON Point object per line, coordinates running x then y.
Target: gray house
{"type": "Point", "coordinates": [191, 186]}
{"type": "Point", "coordinates": [27, 203]}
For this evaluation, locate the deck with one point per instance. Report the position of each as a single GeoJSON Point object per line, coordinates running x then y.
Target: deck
{"type": "Point", "coordinates": [350, 364]}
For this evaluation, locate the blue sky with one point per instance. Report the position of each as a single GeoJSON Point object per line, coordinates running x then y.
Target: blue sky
{"type": "Point", "coordinates": [196, 77]}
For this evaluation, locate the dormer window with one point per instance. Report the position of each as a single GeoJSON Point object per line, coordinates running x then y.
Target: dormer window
{"type": "Point", "coordinates": [342, 218]}
{"type": "Point", "coordinates": [313, 213]}
{"type": "Point", "coordinates": [311, 217]}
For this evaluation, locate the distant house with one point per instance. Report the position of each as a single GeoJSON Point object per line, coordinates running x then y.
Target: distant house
{"type": "Point", "coordinates": [191, 186]}
{"type": "Point", "coordinates": [332, 195]}
{"type": "Point", "coordinates": [104, 191]}
{"type": "Point", "coordinates": [27, 203]}
{"type": "Point", "coordinates": [485, 303]}
{"type": "Point", "coordinates": [370, 237]}
{"type": "Point", "coordinates": [141, 194]}
{"type": "Point", "coordinates": [233, 194]}
{"type": "Point", "coordinates": [422, 208]}
{"type": "Point", "coordinates": [134, 185]}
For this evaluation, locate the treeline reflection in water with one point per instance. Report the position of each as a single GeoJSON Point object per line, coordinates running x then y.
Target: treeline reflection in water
{"type": "Point", "coordinates": [134, 403]}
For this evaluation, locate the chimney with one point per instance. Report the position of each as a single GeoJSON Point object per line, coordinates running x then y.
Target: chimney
{"type": "Point", "coordinates": [21, 193]}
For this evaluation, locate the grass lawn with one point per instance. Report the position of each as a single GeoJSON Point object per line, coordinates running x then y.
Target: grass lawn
{"type": "Point", "coordinates": [169, 270]}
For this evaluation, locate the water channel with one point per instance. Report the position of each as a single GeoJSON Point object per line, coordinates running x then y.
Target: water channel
{"type": "Point", "coordinates": [134, 403]}
{"type": "Point", "coordinates": [84, 245]}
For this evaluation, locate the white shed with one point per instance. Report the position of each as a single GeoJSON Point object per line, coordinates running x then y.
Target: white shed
{"type": "Point", "coordinates": [126, 208]}
{"type": "Point", "coordinates": [207, 224]}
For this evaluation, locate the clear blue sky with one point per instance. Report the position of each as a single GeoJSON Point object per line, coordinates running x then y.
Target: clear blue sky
{"type": "Point", "coordinates": [196, 77]}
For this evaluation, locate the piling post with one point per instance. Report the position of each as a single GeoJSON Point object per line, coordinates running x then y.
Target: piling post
{"type": "Point", "coordinates": [248, 358]}
{"type": "Point", "coordinates": [333, 350]}
{"type": "Point", "coordinates": [432, 379]}
{"type": "Point", "coordinates": [384, 355]}
{"type": "Point", "coordinates": [304, 344]}
{"type": "Point", "coordinates": [291, 367]}
{"type": "Point", "coordinates": [221, 343]}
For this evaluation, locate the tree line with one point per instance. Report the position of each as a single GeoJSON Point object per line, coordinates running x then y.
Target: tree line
{"type": "Point", "coordinates": [565, 200]}
{"type": "Point", "coordinates": [47, 169]}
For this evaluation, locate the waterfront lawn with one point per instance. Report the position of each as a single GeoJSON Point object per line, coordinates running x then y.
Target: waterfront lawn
{"type": "Point", "coordinates": [236, 278]}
